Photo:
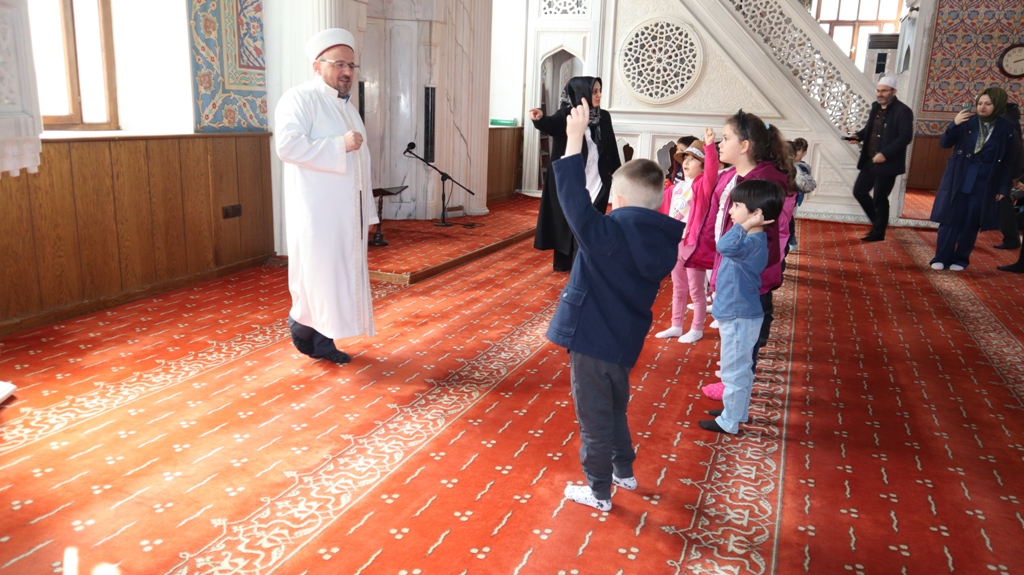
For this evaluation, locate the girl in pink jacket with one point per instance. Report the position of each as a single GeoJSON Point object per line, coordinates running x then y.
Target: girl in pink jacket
{"type": "Point", "coordinates": [690, 201]}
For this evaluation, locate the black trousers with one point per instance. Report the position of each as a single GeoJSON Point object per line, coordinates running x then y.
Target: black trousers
{"type": "Point", "coordinates": [600, 392]}
{"type": "Point", "coordinates": [303, 335]}
{"type": "Point", "coordinates": [768, 306]}
{"type": "Point", "coordinates": [876, 206]}
{"type": "Point", "coordinates": [1008, 223]}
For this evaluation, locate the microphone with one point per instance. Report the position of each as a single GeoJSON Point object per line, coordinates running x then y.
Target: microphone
{"type": "Point", "coordinates": [410, 146]}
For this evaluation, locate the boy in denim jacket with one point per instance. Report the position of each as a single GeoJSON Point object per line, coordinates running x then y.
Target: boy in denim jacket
{"type": "Point", "coordinates": [744, 250]}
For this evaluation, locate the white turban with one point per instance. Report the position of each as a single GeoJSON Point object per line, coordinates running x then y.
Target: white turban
{"type": "Point", "coordinates": [329, 38]}
{"type": "Point", "coordinates": [887, 81]}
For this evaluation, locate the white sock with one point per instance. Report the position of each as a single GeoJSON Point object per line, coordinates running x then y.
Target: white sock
{"type": "Point", "coordinates": [692, 336]}
{"type": "Point", "coordinates": [627, 483]}
{"type": "Point", "coordinates": [956, 268]}
{"type": "Point", "coordinates": [938, 266]}
{"type": "Point", "coordinates": [670, 332]}
{"type": "Point", "coordinates": [584, 495]}
{"type": "Point", "coordinates": [714, 324]}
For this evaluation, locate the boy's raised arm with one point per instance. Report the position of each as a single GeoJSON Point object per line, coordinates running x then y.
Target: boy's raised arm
{"type": "Point", "coordinates": [575, 126]}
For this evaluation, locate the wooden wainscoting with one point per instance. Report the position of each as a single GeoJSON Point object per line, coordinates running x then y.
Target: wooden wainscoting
{"type": "Point", "coordinates": [927, 162]}
{"type": "Point", "coordinates": [504, 162]}
{"type": "Point", "coordinates": [106, 221]}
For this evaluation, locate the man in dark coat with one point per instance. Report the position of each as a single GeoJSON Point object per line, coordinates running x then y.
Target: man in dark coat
{"type": "Point", "coordinates": [1007, 213]}
{"type": "Point", "coordinates": [885, 138]}
{"type": "Point", "coordinates": [553, 231]}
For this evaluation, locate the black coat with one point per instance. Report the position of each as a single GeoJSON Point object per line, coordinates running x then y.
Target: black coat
{"type": "Point", "coordinates": [998, 157]}
{"type": "Point", "coordinates": [897, 133]}
{"type": "Point", "coordinates": [553, 231]}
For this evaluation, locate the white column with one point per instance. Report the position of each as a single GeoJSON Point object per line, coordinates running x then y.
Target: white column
{"type": "Point", "coordinates": [480, 101]}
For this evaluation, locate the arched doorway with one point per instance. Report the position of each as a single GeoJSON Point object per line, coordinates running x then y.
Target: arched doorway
{"type": "Point", "coordinates": [555, 71]}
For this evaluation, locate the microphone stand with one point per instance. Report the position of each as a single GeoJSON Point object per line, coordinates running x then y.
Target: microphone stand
{"type": "Point", "coordinates": [444, 178]}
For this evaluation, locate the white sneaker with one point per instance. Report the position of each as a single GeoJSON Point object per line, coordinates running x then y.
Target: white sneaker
{"type": "Point", "coordinates": [939, 266]}
{"type": "Point", "coordinates": [627, 483]}
{"type": "Point", "coordinates": [956, 268]}
{"type": "Point", "coordinates": [714, 324]}
{"type": "Point", "coordinates": [692, 336]}
{"type": "Point", "coordinates": [670, 332]}
{"type": "Point", "coordinates": [584, 495]}
{"type": "Point", "coordinates": [718, 373]}
{"type": "Point", "coordinates": [689, 306]}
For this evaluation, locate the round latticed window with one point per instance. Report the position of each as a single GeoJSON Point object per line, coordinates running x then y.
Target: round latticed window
{"type": "Point", "coordinates": [660, 61]}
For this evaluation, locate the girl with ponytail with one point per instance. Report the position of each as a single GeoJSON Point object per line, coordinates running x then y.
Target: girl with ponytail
{"type": "Point", "coordinates": [756, 151]}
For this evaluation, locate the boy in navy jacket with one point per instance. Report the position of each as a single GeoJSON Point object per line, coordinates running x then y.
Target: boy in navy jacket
{"type": "Point", "coordinates": [605, 310]}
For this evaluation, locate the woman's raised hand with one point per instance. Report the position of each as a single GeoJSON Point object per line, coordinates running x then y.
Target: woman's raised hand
{"type": "Point", "coordinates": [536, 114]}
{"type": "Point", "coordinates": [962, 117]}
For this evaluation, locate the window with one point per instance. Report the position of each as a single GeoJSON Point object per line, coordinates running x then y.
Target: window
{"type": "Point", "coordinates": [74, 57]}
{"type": "Point", "coordinates": [849, 22]}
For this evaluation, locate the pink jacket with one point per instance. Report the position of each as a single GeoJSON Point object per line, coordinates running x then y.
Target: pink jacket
{"type": "Point", "coordinates": [703, 188]}
{"type": "Point", "coordinates": [706, 257]}
{"type": "Point", "coordinates": [788, 207]}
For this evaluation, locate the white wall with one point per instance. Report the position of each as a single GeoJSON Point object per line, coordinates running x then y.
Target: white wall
{"type": "Point", "coordinates": [508, 59]}
{"type": "Point", "coordinates": [153, 63]}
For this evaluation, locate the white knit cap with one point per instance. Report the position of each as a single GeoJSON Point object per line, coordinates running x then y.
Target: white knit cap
{"type": "Point", "coordinates": [887, 81]}
{"type": "Point", "coordinates": [329, 38]}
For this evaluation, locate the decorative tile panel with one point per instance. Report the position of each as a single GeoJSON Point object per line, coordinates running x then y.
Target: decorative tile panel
{"type": "Point", "coordinates": [969, 37]}
{"type": "Point", "coordinates": [229, 82]}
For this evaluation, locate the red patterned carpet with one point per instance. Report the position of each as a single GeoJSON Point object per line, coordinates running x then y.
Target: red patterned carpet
{"type": "Point", "coordinates": [183, 434]}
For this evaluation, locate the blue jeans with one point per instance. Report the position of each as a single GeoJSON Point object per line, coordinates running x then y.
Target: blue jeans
{"type": "Point", "coordinates": [739, 336]}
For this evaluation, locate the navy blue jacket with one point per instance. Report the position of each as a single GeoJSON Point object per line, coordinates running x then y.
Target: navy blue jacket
{"type": "Point", "coordinates": [897, 133]}
{"type": "Point", "coordinates": [605, 310]}
{"type": "Point", "coordinates": [992, 169]}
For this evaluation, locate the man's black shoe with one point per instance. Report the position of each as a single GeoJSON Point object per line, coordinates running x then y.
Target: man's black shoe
{"type": "Point", "coordinates": [337, 356]}
{"type": "Point", "coordinates": [305, 347]}
{"type": "Point", "coordinates": [1006, 247]}
{"type": "Point", "coordinates": [1016, 268]}
{"type": "Point", "coordinates": [872, 238]}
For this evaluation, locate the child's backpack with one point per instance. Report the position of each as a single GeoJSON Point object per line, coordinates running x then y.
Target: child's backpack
{"type": "Point", "coordinates": [805, 183]}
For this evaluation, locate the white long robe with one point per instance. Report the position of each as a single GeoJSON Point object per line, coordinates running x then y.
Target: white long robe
{"type": "Point", "coordinates": [328, 210]}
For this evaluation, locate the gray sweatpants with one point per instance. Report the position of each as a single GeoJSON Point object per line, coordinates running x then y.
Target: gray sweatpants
{"type": "Point", "coordinates": [600, 391]}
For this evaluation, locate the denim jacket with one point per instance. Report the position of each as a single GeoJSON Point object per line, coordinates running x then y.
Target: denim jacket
{"type": "Point", "coordinates": [744, 257]}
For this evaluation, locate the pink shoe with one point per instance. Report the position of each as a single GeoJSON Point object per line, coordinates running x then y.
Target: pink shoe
{"type": "Point", "coordinates": [714, 390]}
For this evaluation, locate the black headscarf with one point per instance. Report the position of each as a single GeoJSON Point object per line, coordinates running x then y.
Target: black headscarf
{"type": "Point", "coordinates": [582, 87]}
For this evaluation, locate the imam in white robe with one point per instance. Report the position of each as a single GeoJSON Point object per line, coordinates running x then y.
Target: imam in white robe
{"type": "Point", "coordinates": [329, 208]}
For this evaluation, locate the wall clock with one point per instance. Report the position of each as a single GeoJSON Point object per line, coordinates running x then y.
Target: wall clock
{"type": "Point", "coordinates": [1011, 62]}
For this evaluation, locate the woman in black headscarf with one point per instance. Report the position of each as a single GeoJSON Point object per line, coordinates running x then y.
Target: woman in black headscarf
{"type": "Point", "coordinates": [977, 175]}
{"type": "Point", "coordinates": [600, 156]}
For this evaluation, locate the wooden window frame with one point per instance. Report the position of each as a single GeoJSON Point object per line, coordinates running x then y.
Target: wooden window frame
{"type": "Point", "coordinates": [73, 120]}
{"type": "Point", "coordinates": [857, 23]}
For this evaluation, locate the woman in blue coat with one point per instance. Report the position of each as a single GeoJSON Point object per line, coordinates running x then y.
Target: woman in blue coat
{"type": "Point", "coordinates": [977, 175]}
